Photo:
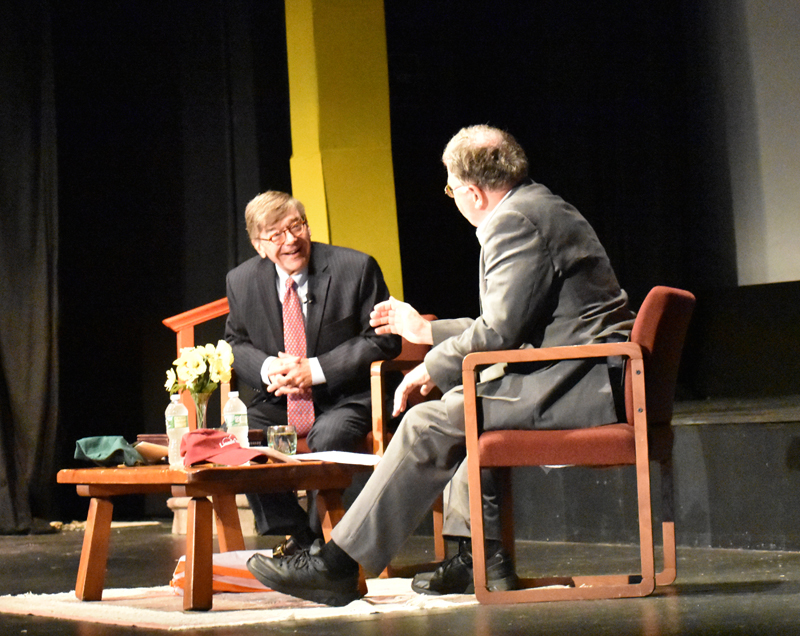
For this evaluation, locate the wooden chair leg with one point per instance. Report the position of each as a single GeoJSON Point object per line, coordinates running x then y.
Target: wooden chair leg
{"type": "Point", "coordinates": [439, 547]}
{"type": "Point", "coordinates": [198, 589]}
{"type": "Point", "coordinates": [668, 575]}
{"type": "Point", "coordinates": [229, 528]}
{"type": "Point", "coordinates": [504, 486]}
{"type": "Point", "coordinates": [94, 555]}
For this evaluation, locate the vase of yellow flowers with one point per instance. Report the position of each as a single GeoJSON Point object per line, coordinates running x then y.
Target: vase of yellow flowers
{"type": "Point", "coordinates": [200, 370]}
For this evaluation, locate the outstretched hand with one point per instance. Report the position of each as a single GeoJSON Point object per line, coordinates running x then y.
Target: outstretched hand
{"type": "Point", "coordinates": [418, 377]}
{"type": "Point", "coordinates": [395, 316]}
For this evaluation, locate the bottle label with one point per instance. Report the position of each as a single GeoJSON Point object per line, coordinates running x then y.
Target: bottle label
{"type": "Point", "coordinates": [235, 419]}
{"type": "Point", "coordinates": [177, 421]}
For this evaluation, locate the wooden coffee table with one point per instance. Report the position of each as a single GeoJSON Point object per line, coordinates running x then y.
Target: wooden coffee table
{"type": "Point", "coordinates": [221, 484]}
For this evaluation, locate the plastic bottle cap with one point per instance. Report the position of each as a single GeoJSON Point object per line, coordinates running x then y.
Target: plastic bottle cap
{"type": "Point", "coordinates": [233, 394]}
{"type": "Point", "coordinates": [175, 397]}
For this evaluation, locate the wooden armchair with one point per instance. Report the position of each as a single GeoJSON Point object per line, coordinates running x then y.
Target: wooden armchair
{"type": "Point", "coordinates": [653, 355]}
{"type": "Point", "coordinates": [183, 325]}
{"type": "Point", "coordinates": [381, 374]}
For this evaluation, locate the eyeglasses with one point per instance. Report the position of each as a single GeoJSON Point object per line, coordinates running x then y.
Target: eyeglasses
{"type": "Point", "coordinates": [279, 238]}
{"type": "Point", "coordinates": [451, 192]}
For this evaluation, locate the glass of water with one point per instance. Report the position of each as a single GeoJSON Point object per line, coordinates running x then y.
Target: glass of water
{"type": "Point", "coordinates": [283, 439]}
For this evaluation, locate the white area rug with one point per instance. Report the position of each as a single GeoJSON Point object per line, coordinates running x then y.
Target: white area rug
{"type": "Point", "coordinates": [162, 608]}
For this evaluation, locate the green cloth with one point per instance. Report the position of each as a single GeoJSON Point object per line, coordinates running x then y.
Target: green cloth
{"type": "Point", "coordinates": [107, 450]}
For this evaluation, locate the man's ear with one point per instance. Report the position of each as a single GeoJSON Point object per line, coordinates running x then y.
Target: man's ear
{"type": "Point", "coordinates": [479, 198]}
{"type": "Point", "coordinates": [259, 247]}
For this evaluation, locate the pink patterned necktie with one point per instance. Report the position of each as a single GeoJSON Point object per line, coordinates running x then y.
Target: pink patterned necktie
{"type": "Point", "coordinates": [300, 407]}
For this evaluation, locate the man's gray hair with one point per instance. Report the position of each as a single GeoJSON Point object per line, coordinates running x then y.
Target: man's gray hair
{"type": "Point", "coordinates": [487, 157]}
{"type": "Point", "coordinates": [268, 209]}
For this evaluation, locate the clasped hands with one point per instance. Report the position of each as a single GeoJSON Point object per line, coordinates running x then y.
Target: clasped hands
{"type": "Point", "coordinates": [394, 316]}
{"type": "Point", "coordinates": [290, 375]}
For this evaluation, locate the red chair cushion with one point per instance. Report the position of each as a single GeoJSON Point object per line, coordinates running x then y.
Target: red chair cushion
{"type": "Point", "coordinates": [609, 445]}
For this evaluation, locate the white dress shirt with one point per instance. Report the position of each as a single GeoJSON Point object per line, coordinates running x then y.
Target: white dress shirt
{"type": "Point", "coordinates": [301, 280]}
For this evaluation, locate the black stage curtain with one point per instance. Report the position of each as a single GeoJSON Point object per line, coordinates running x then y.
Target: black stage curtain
{"type": "Point", "coordinates": [28, 273]}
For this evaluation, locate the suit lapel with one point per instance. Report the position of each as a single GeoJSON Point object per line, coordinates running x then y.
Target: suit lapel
{"type": "Point", "coordinates": [269, 303]}
{"type": "Point", "coordinates": [319, 280]}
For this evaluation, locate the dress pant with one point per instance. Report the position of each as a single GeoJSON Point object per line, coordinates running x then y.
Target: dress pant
{"type": "Point", "coordinates": [427, 452]}
{"type": "Point", "coordinates": [342, 428]}
{"type": "Point", "coordinates": [422, 457]}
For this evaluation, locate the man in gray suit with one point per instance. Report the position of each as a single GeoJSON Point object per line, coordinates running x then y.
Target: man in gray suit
{"type": "Point", "coordinates": [545, 281]}
{"type": "Point", "coordinates": [337, 288]}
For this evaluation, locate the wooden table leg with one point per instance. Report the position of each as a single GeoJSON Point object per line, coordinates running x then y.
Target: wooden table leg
{"type": "Point", "coordinates": [229, 528]}
{"type": "Point", "coordinates": [94, 554]}
{"type": "Point", "coordinates": [197, 594]}
{"type": "Point", "coordinates": [331, 511]}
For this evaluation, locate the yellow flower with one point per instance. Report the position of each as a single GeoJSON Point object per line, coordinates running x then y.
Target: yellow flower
{"type": "Point", "coordinates": [219, 371]}
{"type": "Point", "coordinates": [220, 363]}
{"type": "Point", "coordinates": [171, 381]}
{"type": "Point", "coordinates": [191, 364]}
{"type": "Point", "coordinates": [201, 369]}
{"type": "Point", "coordinates": [225, 352]}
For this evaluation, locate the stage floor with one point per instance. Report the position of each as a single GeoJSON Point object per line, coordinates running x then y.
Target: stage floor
{"type": "Point", "coordinates": [717, 592]}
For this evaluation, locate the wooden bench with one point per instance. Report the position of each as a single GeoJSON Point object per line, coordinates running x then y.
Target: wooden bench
{"type": "Point", "coordinates": [221, 484]}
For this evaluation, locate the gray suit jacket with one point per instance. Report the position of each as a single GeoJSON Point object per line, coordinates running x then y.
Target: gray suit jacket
{"type": "Point", "coordinates": [343, 286]}
{"type": "Point", "coordinates": [545, 281]}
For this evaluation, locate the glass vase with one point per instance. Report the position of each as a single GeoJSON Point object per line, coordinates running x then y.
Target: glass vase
{"type": "Point", "coordinates": [201, 407]}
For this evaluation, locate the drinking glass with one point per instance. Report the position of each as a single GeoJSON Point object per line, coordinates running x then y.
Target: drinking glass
{"type": "Point", "coordinates": [283, 439]}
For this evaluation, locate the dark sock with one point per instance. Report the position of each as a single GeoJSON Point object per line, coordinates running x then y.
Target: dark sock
{"type": "Point", "coordinates": [305, 537]}
{"type": "Point", "coordinates": [493, 547]}
{"type": "Point", "coordinates": [337, 560]}
{"type": "Point", "coordinates": [463, 544]}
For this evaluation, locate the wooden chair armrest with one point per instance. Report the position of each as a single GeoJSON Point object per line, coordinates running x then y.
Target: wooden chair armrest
{"type": "Point", "coordinates": [604, 350]}
{"type": "Point", "coordinates": [381, 407]}
{"type": "Point", "coordinates": [198, 315]}
{"type": "Point", "coordinates": [183, 325]}
{"type": "Point", "coordinates": [630, 350]}
{"type": "Point", "coordinates": [382, 367]}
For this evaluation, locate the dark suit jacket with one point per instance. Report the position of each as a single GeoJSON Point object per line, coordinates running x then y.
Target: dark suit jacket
{"type": "Point", "coordinates": [343, 286]}
{"type": "Point", "coordinates": [545, 281]}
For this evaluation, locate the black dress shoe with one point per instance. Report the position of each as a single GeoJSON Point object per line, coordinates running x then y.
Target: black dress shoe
{"type": "Point", "coordinates": [305, 575]}
{"type": "Point", "coordinates": [454, 576]}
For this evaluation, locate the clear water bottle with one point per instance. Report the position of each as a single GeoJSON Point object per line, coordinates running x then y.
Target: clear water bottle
{"type": "Point", "coordinates": [177, 419]}
{"type": "Point", "coordinates": [235, 413]}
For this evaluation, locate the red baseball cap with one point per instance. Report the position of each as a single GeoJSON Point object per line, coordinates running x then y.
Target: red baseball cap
{"type": "Point", "coordinates": [216, 446]}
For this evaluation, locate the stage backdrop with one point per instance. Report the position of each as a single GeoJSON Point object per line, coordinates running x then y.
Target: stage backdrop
{"type": "Point", "coordinates": [28, 267]}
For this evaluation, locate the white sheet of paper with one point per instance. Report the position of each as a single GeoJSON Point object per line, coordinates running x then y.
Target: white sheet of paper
{"type": "Point", "coordinates": [340, 457]}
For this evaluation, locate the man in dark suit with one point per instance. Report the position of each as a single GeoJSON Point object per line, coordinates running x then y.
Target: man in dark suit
{"type": "Point", "coordinates": [545, 281]}
{"type": "Point", "coordinates": [336, 288]}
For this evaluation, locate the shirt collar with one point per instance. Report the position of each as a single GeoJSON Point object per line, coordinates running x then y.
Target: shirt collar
{"type": "Point", "coordinates": [300, 278]}
{"type": "Point", "coordinates": [480, 231]}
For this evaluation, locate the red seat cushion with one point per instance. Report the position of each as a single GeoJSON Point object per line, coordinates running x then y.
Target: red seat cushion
{"type": "Point", "coordinates": [609, 445]}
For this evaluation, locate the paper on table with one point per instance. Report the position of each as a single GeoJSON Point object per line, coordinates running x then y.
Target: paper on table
{"type": "Point", "coordinates": [341, 457]}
